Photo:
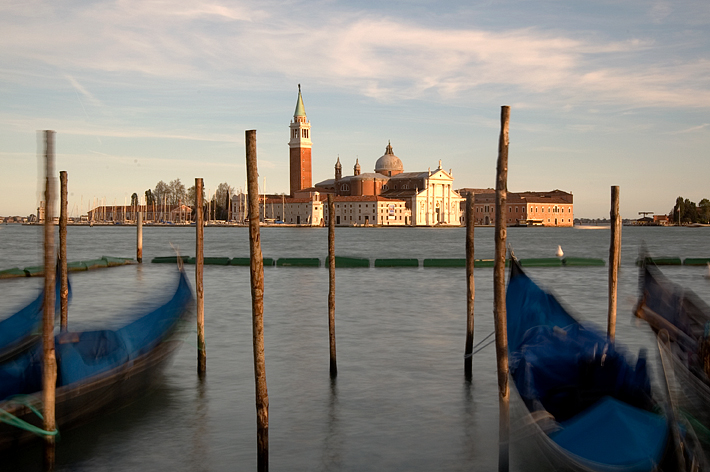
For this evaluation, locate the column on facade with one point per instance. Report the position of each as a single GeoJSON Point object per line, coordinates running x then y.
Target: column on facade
{"type": "Point", "coordinates": [426, 208]}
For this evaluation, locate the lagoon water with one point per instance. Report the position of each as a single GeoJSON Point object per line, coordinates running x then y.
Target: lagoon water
{"type": "Point", "coordinates": [400, 401]}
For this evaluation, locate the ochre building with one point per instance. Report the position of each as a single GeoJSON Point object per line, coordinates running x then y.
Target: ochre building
{"type": "Point", "coordinates": [554, 208]}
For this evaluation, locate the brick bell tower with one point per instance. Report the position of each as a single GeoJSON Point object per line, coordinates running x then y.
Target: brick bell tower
{"type": "Point", "coordinates": [300, 148]}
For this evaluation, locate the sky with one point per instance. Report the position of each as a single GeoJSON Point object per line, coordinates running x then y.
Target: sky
{"type": "Point", "coordinates": [601, 93]}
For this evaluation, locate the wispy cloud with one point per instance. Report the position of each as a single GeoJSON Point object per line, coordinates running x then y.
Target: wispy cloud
{"type": "Point", "coordinates": [693, 129]}
{"type": "Point", "coordinates": [382, 57]}
{"type": "Point", "coordinates": [85, 93]}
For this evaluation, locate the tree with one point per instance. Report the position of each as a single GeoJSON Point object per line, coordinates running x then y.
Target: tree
{"type": "Point", "coordinates": [149, 197]}
{"type": "Point", "coordinates": [689, 213]}
{"type": "Point", "coordinates": [221, 200]}
{"type": "Point", "coordinates": [191, 195]}
{"type": "Point", "coordinates": [704, 211]}
{"type": "Point", "coordinates": [162, 190]}
{"type": "Point", "coordinates": [177, 192]}
{"type": "Point", "coordinates": [134, 199]}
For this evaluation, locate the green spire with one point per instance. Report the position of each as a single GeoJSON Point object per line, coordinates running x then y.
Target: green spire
{"type": "Point", "coordinates": [300, 110]}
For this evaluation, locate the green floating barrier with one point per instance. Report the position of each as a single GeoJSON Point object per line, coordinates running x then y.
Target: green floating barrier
{"type": "Point", "coordinates": [696, 261]}
{"type": "Point", "coordinates": [12, 273]}
{"type": "Point", "coordinates": [169, 259]}
{"type": "Point", "coordinates": [298, 262]}
{"type": "Point", "coordinates": [486, 263]}
{"type": "Point", "coordinates": [76, 266]}
{"type": "Point", "coordinates": [445, 263]}
{"type": "Point", "coordinates": [396, 262]}
{"type": "Point", "coordinates": [660, 260]}
{"type": "Point", "coordinates": [582, 261]}
{"type": "Point", "coordinates": [245, 261]}
{"type": "Point", "coordinates": [541, 262]}
{"type": "Point", "coordinates": [34, 271]}
{"type": "Point", "coordinates": [117, 261]}
{"type": "Point", "coordinates": [349, 262]}
{"type": "Point", "coordinates": [95, 264]}
{"type": "Point", "coordinates": [211, 260]}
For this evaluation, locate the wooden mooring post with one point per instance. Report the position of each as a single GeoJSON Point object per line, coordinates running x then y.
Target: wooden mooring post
{"type": "Point", "coordinates": [139, 236]}
{"type": "Point", "coordinates": [63, 272]}
{"type": "Point", "coordinates": [470, 288]}
{"type": "Point", "coordinates": [49, 364]}
{"type": "Point", "coordinates": [256, 269]}
{"type": "Point", "coordinates": [614, 260]}
{"type": "Point", "coordinates": [499, 311]}
{"type": "Point", "coordinates": [199, 270]}
{"type": "Point", "coordinates": [331, 285]}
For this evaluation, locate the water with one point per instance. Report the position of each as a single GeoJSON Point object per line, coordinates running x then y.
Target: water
{"type": "Point", "coordinates": [400, 401]}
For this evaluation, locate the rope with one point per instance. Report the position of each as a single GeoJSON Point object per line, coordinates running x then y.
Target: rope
{"type": "Point", "coordinates": [13, 420]}
{"type": "Point", "coordinates": [476, 347]}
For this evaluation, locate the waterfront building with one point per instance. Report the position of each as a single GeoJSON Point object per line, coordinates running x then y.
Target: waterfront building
{"type": "Point", "coordinates": [387, 197]}
{"type": "Point", "coordinates": [428, 197]}
{"type": "Point", "coordinates": [554, 208]}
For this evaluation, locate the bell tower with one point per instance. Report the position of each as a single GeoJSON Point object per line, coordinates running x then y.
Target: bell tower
{"type": "Point", "coordinates": [300, 148]}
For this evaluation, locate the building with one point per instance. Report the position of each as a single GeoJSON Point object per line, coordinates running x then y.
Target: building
{"type": "Point", "coordinates": [428, 197]}
{"type": "Point", "coordinates": [389, 195]}
{"type": "Point", "coordinates": [360, 199]}
{"type": "Point", "coordinates": [555, 208]}
{"type": "Point", "coordinates": [300, 148]}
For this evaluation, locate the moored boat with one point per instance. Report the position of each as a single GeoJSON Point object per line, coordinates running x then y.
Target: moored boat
{"type": "Point", "coordinates": [21, 330]}
{"type": "Point", "coordinates": [686, 317]}
{"type": "Point", "coordinates": [97, 371]}
{"type": "Point", "coordinates": [586, 405]}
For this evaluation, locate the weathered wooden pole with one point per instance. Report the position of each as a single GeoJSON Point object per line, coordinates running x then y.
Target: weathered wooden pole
{"type": "Point", "coordinates": [501, 323]}
{"type": "Point", "coordinates": [331, 285]}
{"type": "Point", "coordinates": [139, 235]}
{"type": "Point", "coordinates": [256, 269]}
{"type": "Point", "coordinates": [199, 266]}
{"type": "Point", "coordinates": [49, 365]}
{"type": "Point", "coordinates": [614, 259]}
{"type": "Point", "coordinates": [470, 288]}
{"type": "Point", "coordinates": [64, 276]}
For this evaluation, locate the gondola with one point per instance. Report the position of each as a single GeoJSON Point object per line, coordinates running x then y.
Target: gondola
{"type": "Point", "coordinates": [587, 407]}
{"type": "Point", "coordinates": [97, 371]}
{"type": "Point", "coordinates": [686, 318]}
{"type": "Point", "coordinates": [21, 330]}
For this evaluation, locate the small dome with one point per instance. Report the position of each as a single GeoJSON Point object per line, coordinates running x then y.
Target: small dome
{"type": "Point", "coordinates": [388, 162]}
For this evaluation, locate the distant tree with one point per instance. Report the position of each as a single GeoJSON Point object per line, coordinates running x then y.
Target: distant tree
{"type": "Point", "coordinates": [690, 212]}
{"type": "Point", "coordinates": [134, 199]}
{"type": "Point", "coordinates": [162, 190]}
{"type": "Point", "coordinates": [685, 211]}
{"type": "Point", "coordinates": [677, 212]}
{"type": "Point", "coordinates": [704, 211]}
{"type": "Point", "coordinates": [177, 192]}
{"type": "Point", "coordinates": [149, 197]}
{"type": "Point", "coordinates": [191, 196]}
{"type": "Point", "coordinates": [222, 196]}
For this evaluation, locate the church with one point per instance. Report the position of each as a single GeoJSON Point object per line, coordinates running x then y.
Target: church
{"type": "Point", "coordinates": [387, 196]}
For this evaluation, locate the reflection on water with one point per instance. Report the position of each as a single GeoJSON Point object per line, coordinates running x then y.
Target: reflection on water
{"type": "Point", "coordinates": [400, 401]}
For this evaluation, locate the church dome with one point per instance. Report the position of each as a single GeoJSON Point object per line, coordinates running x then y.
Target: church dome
{"type": "Point", "coordinates": [389, 163]}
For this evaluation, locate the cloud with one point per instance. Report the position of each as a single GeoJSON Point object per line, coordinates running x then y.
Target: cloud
{"type": "Point", "coordinates": [226, 44]}
{"type": "Point", "coordinates": [693, 129]}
